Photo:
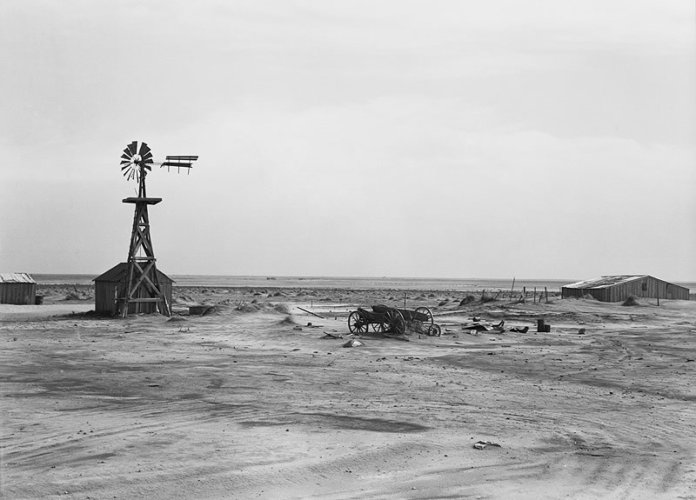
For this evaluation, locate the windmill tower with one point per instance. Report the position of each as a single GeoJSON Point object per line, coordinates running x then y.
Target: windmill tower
{"type": "Point", "coordinates": [142, 282]}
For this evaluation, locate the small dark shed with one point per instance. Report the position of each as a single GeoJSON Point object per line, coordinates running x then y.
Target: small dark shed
{"type": "Point", "coordinates": [17, 288]}
{"type": "Point", "coordinates": [111, 286]}
{"type": "Point", "coordinates": [619, 288]}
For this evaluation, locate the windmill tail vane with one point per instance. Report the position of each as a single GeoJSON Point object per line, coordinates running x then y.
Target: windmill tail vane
{"type": "Point", "coordinates": [179, 162]}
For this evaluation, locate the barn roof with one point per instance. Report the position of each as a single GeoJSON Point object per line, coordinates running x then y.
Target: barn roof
{"type": "Point", "coordinates": [16, 278]}
{"type": "Point", "coordinates": [606, 281]}
{"type": "Point", "coordinates": [117, 273]}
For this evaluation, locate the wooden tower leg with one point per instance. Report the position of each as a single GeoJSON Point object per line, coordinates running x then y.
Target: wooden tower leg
{"type": "Point", "coordinates": [143, 286]}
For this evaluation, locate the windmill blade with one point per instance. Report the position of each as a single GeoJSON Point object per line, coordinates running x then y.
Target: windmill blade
{"type": "Point", "coordinates": [144, 149]}
{"type": "Point", "coordinates": [131, 162]}
{"type": "Point", "coordinates": [145, 154]}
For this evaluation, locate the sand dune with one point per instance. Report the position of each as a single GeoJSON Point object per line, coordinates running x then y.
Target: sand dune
{"type": "Point", "coordinates": [250, 402]}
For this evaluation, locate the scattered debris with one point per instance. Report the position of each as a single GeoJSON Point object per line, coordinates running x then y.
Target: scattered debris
{"type": "Point", "coordinates": [328, 335]}
{"type": "Point", "coordinates": [480, 445]}
{"type": "Point", "coordinates": [483, 326]}
{"type": "Point", "coordinates": [520, 330]}
{"type": "Point", "coordinates": [353, 343]}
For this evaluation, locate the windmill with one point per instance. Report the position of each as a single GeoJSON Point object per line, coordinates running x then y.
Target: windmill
{"type": "Point", "coordinates": [142, 282]}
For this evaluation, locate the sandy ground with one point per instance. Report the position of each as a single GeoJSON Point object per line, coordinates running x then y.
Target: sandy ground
{"type": "Point", "coordinates": [251, 402]}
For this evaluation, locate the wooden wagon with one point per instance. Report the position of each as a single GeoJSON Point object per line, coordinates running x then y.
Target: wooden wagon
{"type": "Point", "coordinates": [384, 319]}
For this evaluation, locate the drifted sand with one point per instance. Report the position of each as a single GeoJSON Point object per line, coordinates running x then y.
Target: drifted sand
{"type": "Point", "coordinates": [251, 402]}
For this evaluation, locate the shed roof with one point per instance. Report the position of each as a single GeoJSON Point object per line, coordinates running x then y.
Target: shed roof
{"type": "Point", "coordinates": [606, 281]}
{"type": "Point", "coordinates": [16, 278]}
{"type": "Point", "coordinates": [117, 273]}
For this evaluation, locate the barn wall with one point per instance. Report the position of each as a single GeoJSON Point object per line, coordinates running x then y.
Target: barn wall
{"type": "Point", "coordinates": [107, 293]}
{"type": "Point", "coordinates": [647, 287]}
{"type": "Point", "coordinates": [18, 293]}
{"type": "Point", "coordinates": [567, 293]}
{"type": "Point", "coordinates": [104, 297]}
{"type": "Point", "coordinates": [676, 292]}
{"type": "Point", "coordinates": [166, 287]}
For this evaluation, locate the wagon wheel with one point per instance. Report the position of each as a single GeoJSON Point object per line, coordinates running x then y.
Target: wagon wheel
{"type": "Point", "coordinates": [428, 322]}
{"type": "Point", "coordinates": [379, 327]}
{"type": "Point", "coordinates": [396, 322]}
{"type": "Point", "coordinates": [435, 331]}
{"type": "Point", "coordinates": [356, 324]}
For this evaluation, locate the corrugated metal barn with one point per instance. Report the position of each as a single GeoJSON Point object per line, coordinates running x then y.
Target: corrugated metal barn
{"type": "Point", "coordinates": [111, 286]}
{"type": "Point", "coordinates": [17, 288]}
{"type": "Point", "coordinates": [619, 288]}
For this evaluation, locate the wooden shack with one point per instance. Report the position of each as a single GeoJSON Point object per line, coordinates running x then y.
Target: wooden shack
{"type": "Point", "coordinates": [619, 288]}
{"type": "Point", "coordinates": [17, 288]}
{"type": "Point", "coordinates": [111, 286]}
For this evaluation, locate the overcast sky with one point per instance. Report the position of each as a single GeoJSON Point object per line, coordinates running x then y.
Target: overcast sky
{"type": "Point", "coordinates": [455, 139]}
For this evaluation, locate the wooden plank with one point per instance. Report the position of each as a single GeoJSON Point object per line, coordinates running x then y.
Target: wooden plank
{"type": "Point", "coordinates": [310, 312]}
{"type": "Point", "coordinates": [147, 201]}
